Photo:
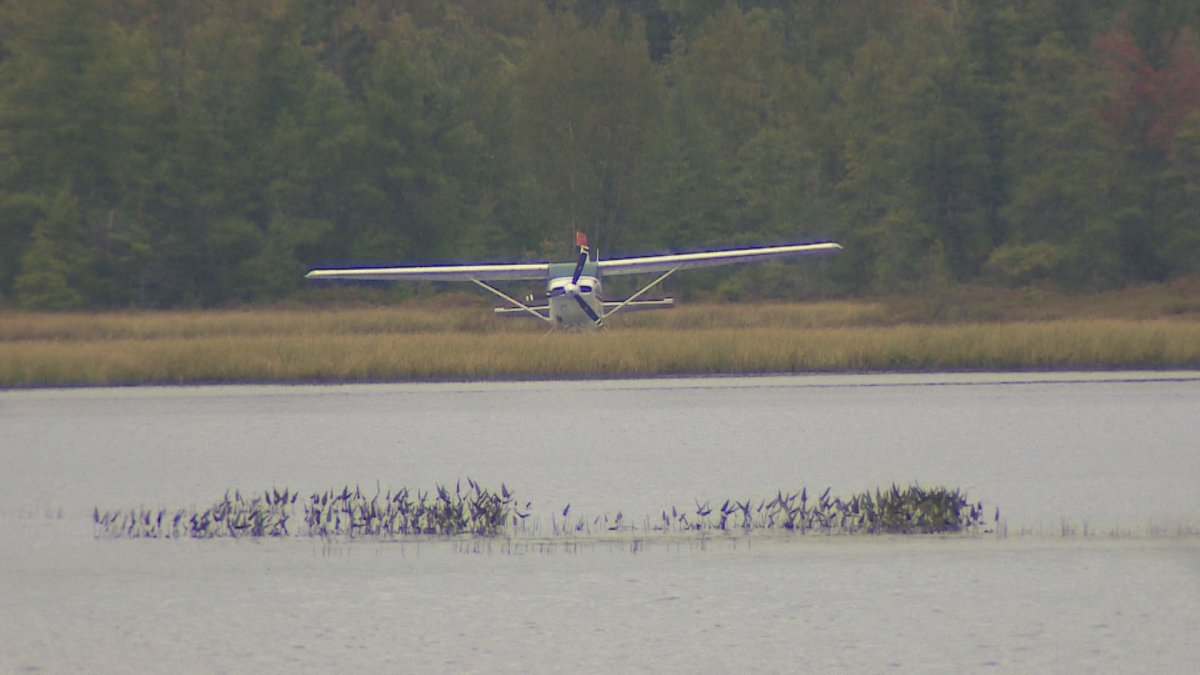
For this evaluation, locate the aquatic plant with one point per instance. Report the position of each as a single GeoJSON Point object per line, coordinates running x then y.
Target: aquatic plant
{"type": "Point", "coordinates": [345, 512]}
{"type": "Point", "coordinates": [479, 511]}
{"type": "Point", "coordinates": [912, 510]}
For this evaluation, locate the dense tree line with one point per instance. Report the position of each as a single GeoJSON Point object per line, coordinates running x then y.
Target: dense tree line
{"type": "Point", "coordinates": [194, 154]}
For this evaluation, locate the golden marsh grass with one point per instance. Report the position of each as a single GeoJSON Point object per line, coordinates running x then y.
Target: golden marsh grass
{"type": "Point", "coordinates": [466, 343]}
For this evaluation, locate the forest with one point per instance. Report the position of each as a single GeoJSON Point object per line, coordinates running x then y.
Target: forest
{"type": "Point", "coordinates": [158, 154]}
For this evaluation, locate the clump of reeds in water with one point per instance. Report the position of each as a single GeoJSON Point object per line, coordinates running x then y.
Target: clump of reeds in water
{"type": "Point", "coordinates": [476, 510]}
{"type": "Point", "coordinates": [479, 511]}
{"type": "Point", "coordinates": [913, 510]}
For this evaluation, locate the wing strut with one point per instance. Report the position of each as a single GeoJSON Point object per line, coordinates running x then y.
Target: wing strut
{"type": "Point", "coordinates": [518, 303]}
{"type": "Point", "coordinates": [639, 294]}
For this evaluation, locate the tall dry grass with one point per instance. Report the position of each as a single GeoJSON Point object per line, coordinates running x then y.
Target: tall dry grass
{"type": "Point", "coordinates": [457, 344]}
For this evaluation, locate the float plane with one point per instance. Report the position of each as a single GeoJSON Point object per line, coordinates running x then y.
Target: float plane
{"type": "Point", "coordinates": [573, 289]}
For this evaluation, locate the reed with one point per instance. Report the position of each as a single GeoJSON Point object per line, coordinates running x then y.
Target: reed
{"type": "Point", "coordinates": [337, 349]}
{"type": "Point", "coordinates": [478, 511]}
{"type": "Point", "coordinates": [99, 326]}
{"type": "Point", "coordinates": [475, 510]}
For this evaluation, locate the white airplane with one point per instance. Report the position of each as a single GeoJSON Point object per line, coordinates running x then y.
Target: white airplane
{"type": "Point", "coordinates": [573, 289]}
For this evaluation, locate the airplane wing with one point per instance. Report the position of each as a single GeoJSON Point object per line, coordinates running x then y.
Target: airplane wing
{"type": "Point", "coordinates": [664, 263]}
{"type": "Point", "coordinates": [493, 272]}
{"type": "Point", "coordinates": [540, 271]}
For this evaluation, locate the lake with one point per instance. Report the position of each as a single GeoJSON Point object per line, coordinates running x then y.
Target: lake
{"type": "Point", "coordinates": [1115, 453]}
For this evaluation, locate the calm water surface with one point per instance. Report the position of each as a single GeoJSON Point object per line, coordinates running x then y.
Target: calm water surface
{"type": "Point", "coordinates": [1119, 453]}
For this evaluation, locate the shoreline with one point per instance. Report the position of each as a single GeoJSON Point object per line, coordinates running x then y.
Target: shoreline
{"type": "Point", "coordinates": [957, 378]}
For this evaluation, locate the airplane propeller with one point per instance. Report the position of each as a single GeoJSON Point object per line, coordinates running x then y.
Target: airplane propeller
{"type": "Point", "coordinates": [583, 256]}
{"type": "Point", "coordinates": [587, 309]}
{"type": "Point", "coordinates": [575, 290]}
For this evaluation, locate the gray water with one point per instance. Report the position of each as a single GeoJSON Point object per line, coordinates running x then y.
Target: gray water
{"type": "Point", "coordinates": [1117, 454]}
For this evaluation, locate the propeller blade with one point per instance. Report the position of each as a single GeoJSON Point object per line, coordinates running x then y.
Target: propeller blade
{"type": "Point", "coordinates": [587, 309]}
{"type": "Point", "coordinates": [583, 256]}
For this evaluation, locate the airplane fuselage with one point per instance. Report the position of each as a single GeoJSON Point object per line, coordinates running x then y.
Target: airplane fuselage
{"type": "Point", "coordinates": [565, 310]}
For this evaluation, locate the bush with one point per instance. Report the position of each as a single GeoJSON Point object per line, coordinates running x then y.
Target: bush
{"type": "Point", "coordinates": [1016, 265]}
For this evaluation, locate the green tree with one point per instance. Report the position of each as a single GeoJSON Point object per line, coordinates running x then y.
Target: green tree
{"type": "Point", "coordinates": [402, 159]}
{"type": "Point", "coordinates": [54, 269]}
{"type": "Point", "coordinates": [990, 43]}
{"type": "Point", "coordinates": [1146, 105]}
{"type": "Point", "coordinates": [68, 101]}
{"type": "Point", "coordinates": [588, 101]}
{"type": "Point", "coordinates": [724, 111]}
{"type": "Point", "coordinates": [742, 157]}
{"type": "Point", "coordinates": [912, 207]}
{"type": "Point", "coordinates": [1064, 167]}
{"type": "Point", "coordinates": [242, 72]}
{"type": "Point", "coordinates": [1181, 247]}
{"type": "Point", "coordinates": [79, 106]}
{"type": "Point", "coordinates": [318, 192]}
{"type": "Point", "coordinates": [19, 213]}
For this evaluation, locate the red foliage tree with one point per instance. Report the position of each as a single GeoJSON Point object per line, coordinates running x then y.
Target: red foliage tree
{"type": "Point", "coordinates": [1147, 105]}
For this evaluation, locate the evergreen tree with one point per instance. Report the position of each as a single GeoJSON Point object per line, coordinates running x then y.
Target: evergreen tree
{"type": "Point", "coordinates": [1181, 249]}
{"type": "Point", "coordinates": [168, 154]}
{"type": "Point", "coordinates": [1064, 169]}
{"type": "Point", "coordinates": [19, 213]}
{"type": "Point", "coordinates": [588, 101]}
{"type": "Point", "coordinates": [912, 205]}
{"type": "Point", "coordinates": [54, 268]}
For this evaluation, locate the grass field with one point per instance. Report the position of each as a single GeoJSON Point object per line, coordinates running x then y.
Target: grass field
{"type": "Point", "coordinates": [973, 329]}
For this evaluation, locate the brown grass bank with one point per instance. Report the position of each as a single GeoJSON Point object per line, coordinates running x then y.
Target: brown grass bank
{"type": "Point", "coordinates": [975, 330]}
